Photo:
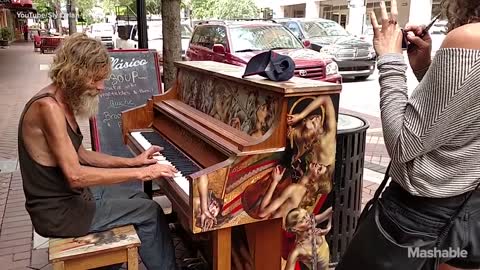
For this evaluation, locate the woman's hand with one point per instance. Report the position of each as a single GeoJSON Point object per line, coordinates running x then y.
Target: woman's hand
{"type": "Point", "coordinates": [388, 37]}
{"type": "Point", "coordinates": [420, 55]}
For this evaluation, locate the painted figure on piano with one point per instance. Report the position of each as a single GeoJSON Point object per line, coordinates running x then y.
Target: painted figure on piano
{"type": "Point", "coordinates": [310, 244]}
{"type": "Point", "coordinates": [293, 195]}
{"type": "Point", "coordinates": [273, 184]}
{"type": "Point", "coordinates": [312, 134]}
{"type": "Point", "coordinates": [249, 111]}
{"type": "Point", "coordinates": [207, 206]}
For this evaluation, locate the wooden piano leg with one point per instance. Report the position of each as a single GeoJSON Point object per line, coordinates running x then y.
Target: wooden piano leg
{"type": "Point", "coordinates": [222, 249]}
{"type": "Point", "coordinates": [265, 240]}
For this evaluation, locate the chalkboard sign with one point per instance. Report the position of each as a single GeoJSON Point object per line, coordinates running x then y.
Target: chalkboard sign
{"type": "Point", "coordinates": [135, 78]}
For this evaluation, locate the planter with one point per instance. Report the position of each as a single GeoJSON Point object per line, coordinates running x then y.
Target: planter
{"type": "Point", "coordinates": [3, 43]}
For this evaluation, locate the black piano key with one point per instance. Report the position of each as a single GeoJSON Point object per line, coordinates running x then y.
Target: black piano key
{"type": "Point", "coordinates": [172, 154]}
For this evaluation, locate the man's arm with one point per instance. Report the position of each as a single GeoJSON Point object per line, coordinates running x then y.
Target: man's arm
{"type": "Point", "coordinates": [101, 160]}
{"type": "Point", "coordinates": [53, 124]}
{"type": "Point", "coordinates": [437, 109]}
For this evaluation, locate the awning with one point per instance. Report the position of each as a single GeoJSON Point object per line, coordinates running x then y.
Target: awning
{"type": "Point", "coordinates": [21, 3]}
{"type": "Point", "coordinates": [17, 4]}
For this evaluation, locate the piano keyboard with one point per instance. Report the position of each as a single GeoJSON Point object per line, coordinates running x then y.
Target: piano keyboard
{"type": "Point", "coordinates": [170, 156]}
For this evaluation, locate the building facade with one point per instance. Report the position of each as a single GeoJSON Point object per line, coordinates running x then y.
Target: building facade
{"type": "Point", "coordinates": [351, 14]}
{"type": "Point", "coordinates": [11, 15]}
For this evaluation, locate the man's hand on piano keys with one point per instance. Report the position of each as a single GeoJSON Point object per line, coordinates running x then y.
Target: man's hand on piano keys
{"type": "Point", "coordinates": [147, 157]}
{"type": "Point", "coordinates": [156, 171]}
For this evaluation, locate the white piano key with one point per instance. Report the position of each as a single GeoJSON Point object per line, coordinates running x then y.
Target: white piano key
{"type": "Point", "coordinates": [159, 158]}
{"type": "Point", "coordinates": [164, 162]}
{"type": "Point", "coordinates": [183, 183]}
{"type": "Point", "coordinates": [178, 178]}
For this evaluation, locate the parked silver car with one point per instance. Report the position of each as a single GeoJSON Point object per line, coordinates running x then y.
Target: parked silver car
{"type": "Point", "coordinates": [355, 57]}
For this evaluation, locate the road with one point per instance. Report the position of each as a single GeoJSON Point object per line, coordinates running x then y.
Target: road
{"type": "Point", "coordinates": [364, 96]}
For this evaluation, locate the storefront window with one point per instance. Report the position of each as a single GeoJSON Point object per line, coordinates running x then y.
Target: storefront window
{"type": "Point", "coordinates": [336, 13]}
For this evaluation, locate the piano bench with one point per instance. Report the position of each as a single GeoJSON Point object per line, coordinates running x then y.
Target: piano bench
{"type": "Point", "coordinates": [115, 246]}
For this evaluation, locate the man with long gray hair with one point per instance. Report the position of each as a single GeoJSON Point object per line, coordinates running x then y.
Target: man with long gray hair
{"type": "Point", "coordinates": [58, 171]}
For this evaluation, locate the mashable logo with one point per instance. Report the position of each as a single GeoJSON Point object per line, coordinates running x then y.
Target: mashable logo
{"type": "Point", "coordinates": [437, 253]}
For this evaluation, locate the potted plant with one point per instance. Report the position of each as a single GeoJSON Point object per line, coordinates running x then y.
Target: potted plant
{"type": "Point", "coordinates": [5, 36]}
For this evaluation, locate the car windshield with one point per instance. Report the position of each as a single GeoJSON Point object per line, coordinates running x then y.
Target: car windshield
{"type": "Point", "coordinates": [155, 31]}
{"type": "Point", "coordinates": [323, 29]}
{"type": "Point", "coordinates": [264, 37]}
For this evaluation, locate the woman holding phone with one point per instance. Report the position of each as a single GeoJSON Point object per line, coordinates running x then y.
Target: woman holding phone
{"type": "Point", "coordinates": [429, 215]}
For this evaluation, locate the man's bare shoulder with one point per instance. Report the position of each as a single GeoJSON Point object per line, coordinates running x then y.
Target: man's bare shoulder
{"type": "Point", "coordinates": [466, 36]}
{"type": "Point", "coordinates": [46, 107]}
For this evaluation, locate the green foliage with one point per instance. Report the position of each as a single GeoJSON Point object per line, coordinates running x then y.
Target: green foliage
{"type": "Point", "coordinates": [6, 33]}
{"type": "Point", "coordinates": [224, 9]}
{"type": "Point", "coordinates": [85, 6]}
{"type": "Point", "coordinates": [152, 6]}
{"type": "Point", "coordinates": [203, 9]}
{"type": "Point", "coordinates": [44, 9]}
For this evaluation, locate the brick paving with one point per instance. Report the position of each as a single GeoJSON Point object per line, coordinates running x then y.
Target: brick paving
{"type": "Point", "coordinates": [23, 73]}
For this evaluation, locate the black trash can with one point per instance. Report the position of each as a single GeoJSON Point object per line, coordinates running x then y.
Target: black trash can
{"type": "Point", "coordinates": [348, 182]}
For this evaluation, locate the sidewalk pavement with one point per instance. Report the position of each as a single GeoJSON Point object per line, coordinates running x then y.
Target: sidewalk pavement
{"type": "Point", "coordinates": [22, 74]}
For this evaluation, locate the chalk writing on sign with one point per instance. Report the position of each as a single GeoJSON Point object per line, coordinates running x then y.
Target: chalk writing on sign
{"type": "Point", "coordinates": [118, 63]}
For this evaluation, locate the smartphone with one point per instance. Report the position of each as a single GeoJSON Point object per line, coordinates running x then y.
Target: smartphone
{"type": "Point", "coordinates": [404, 40]}
{"type": "Point", "coordinates": [406, 44]}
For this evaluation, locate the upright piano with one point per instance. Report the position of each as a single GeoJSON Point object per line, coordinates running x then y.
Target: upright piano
{"type": "Point", "coordinates": [245, 150]}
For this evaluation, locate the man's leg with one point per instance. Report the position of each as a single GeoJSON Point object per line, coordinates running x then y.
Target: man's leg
{"type": "Point", "coordinates": [117, 192]}
{"type": "Point", "coordinates": [147, 216]}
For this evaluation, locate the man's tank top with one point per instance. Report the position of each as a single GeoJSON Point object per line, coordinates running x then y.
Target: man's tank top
{"type": "Point", "coordinates": [55, 208]}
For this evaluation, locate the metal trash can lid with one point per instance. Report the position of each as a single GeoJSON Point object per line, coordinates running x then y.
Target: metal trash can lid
{"type": "Point", "coordinates": [348, 122]}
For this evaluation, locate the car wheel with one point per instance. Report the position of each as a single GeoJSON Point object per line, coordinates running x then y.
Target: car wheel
{"type": "Point", "coordinates": [361, 78]}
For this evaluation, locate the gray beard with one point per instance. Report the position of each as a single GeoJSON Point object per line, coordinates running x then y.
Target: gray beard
{"type": "Point", "coordinates": [87, 106]}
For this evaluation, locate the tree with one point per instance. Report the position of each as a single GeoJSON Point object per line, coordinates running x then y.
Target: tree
{"type": "Point", "coordinates": [202, 9]}
{"type": "Point", "coordinates": [72, 16]}
{"type": "Point", "coordinates": [224, 9]}
{"type": "Point", "coordinates": [151, 6]}
{"type": "Point", "coordinates": [236, 9]}
{"type": "Point", "coordinates": [45, 9]}
{"type": "Point", "coordinates": [172, 45]}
